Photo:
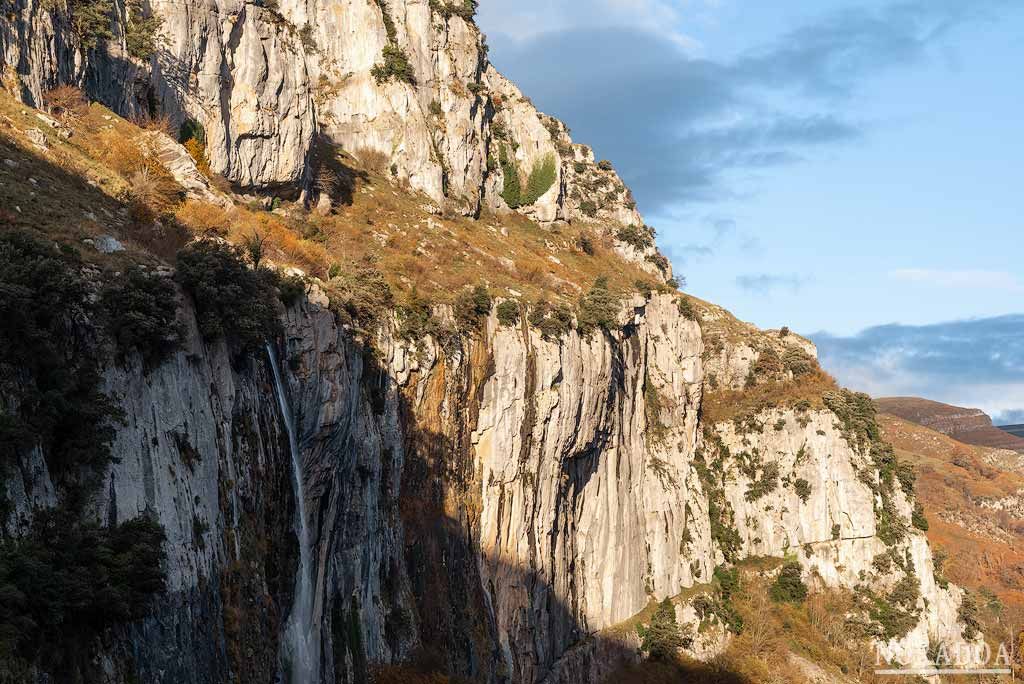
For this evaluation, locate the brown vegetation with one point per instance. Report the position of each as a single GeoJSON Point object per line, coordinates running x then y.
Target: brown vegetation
{"type": "Point", "coordinates": [728, 404]}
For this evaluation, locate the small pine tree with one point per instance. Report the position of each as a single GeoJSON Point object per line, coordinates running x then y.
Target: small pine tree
{"type": "Point", "coordinates": [143, 34]}
{"type": "Point", "coordinates": [90, 21]}
{"type": "Point", "coordinates": [663, 637]}
{"type": "Point", "coordinates": [789, 587]}
{"type": "Point", "coordinates": [598, 308]}
{"type": "Point", "coordinates": [511, 191]}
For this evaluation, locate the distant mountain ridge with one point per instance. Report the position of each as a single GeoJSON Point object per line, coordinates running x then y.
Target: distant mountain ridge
{"type": "Point", "coordinates": [967, 425]}
{"type": "Point", "coordinates": [1016, 430]}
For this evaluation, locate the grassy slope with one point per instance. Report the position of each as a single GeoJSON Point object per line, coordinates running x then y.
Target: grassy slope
{"type": "Point", "coordinates": [83, 188]}
{"type": "Point", "coordinates": [985, 547]}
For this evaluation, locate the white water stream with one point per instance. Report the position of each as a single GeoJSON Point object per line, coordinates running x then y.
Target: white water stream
{"type": "Point", "coordinates": [300, 647]}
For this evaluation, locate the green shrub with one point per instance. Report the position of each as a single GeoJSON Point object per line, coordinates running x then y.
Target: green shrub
{"type": "Point", "coordinates": [90, 20]}
{"type": "Point", "coordinates": [604, 165]}
{"type": "Point", "coordinates": [143, 34]}
{"type": "Point", "coordinates": [464, 9]}
{"type": "Point", "coordinates": [918, 518]}
{"type": "Point", "coordinates": [541, 178]}
{"type": "Point", "coordinates": [233, 301]}
{"type": "Point", "coordinates": [291, 289]}
{"type": "Point", "coordinates": [586, 244]}
{"type": "Point", "coordinates": [802, 488]}
{"type": "Point", "coordinates": [552, 321]}
{"type": "Point", "coordinates": [636, 236]}
{"type": "Point", "coordinates": [360, 296]}
{"type": "Point", "coordinates": [767, 483]}
{"type": "Point", "coordinates": [510, 191]}
{"type": "Point", "coordinates": [798, 362]}
{"type": "Point", "coordinates": [471, 307]}
{"type": "Point", "coordinates": [663, 637]}
{"type": "Point", "coordinates": [895, 614]}
{"type": "Point", "coordinates": [50, 368]}
{"type": "Point", "coordinates": [598, 308]}
{"type": "Point", "coordinates": [141, 312]}
{"type": "Point", "coordinates": [389, 24]}
{"type": "Point", "coordinates": [686, 308]}
{"type": "Point", "coordinates": [192, 130]}
{"type": "Point", "coordinates": [508, 313]}
{"type": "Point", "coordinates": [588, 208]}
{"type": "Point", "coordinates": [788, 586]}
{"type": "Point", "coordinates": [719, 605]}
{"type": "Point", "coordinates": [394, 66]}
{"type": "Point", "coordinates": [66, 581]}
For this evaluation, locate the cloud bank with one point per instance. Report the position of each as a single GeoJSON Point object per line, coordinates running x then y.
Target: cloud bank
{"type": "Point", "coordinates": [967, 363]}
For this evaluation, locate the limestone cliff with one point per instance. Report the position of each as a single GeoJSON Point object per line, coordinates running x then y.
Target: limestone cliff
{"type": "Point", "coordinates": [515, 498]}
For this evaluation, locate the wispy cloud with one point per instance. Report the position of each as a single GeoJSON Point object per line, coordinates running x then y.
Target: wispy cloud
{"type": "Point", "coordinates": [692, 121]}
{"type": "Point", "coordinates": [968, 363]}
{"type": "Point", "coordinates": [767, 283]}
{"type": "Point", "coordinates": [969, 279]}
{"type": "Point", "coordinates": [1014, 417]}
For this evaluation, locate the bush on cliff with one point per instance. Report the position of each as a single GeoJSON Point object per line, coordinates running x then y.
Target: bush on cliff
{"type": "Point", "coordinates": [394, 65]}
{"type": "Point", "coordinates": [233, 302]}
{"type": "Point", "coordinates": [663, 637]}
{"type": "Point", "coordinates": [66, 581]}
{"type": "Point", "coordinates": [90, 20]}
{"type": "Point", "coordinates": [540, 180]}
{"type": "Point", "coordinates": [553, 321]}
{"type": "Point", "coordinates": [471, 307]}
{"type": "Point", "coordinates": [143, 33]}
{"type": "Point", "coordinates": [508, 313]}
{"type": "Point", "coordinates": [49, 369]}
{"type": "Point", "coordinates": [141, 311]}
{"type": "Point", "coordinates": [789, 587]}
{"type": "Point", "coordinates": [598, 308]}
{"type": "Point", "coordinates": [360, 295]}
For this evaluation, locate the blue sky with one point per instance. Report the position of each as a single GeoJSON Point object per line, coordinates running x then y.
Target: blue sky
{"type": "Point", "coordinates": [837, 167]}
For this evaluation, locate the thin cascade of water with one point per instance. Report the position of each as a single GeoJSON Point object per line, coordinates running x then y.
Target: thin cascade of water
{"type": "Point", "coordinates": [300, 643]}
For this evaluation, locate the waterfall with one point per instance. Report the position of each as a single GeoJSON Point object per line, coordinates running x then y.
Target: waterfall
{"type": "Point", "coordinates": [300, 643]}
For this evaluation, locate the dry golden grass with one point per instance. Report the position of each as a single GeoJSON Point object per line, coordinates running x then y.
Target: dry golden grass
{"type": "Point", "coordinates": [204, 218]}
{"type": "Point", "coordinates": [774, 638]}
{"type": "Point", "coordinates": [66, 102]}
{"type": "Point", "coordinates": [985, 546]}
{"type": "Point", "coordinates": [723, 405]}
{"type": "Point", "coordinates": [399, 230]}
{"type": "Point", "coordinates": [160, 123]}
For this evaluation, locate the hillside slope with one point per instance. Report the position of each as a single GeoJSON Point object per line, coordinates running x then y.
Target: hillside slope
{"type": "Point", "coordinates": [971, 426]}
{"type": "Point", "coordinates": [971, 496]}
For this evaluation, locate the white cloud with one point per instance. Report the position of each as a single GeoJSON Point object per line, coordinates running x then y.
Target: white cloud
{"type": "Point", "coordinates": [967, 279]}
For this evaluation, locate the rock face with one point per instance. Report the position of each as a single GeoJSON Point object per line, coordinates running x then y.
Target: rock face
{"type": "Point", "coordinates": [498, 505]}
{"type": "Point", "coordinates": [270, 82]}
